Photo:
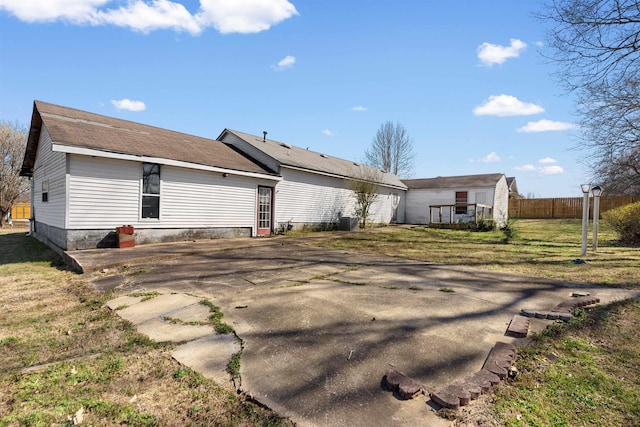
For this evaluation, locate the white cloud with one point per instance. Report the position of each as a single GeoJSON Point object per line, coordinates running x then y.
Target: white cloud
{"type": "Point", "coordinates": [359, 108]}
{"type": "Point", "coordinates": [226, 16]}
{"type": "Point", "coordinates": [491, 158]}
{"type": "Point", "coordinates": [75, 11]}
{"type": "Point", "coordinates": [551, 170]}
{"type": "Point", "coordinates": [539, 43]}
{"type": "Point", "coordinates": [286, 62]}
{"type": "Point", "coordinates": [506, 105]}
{"type": "Point", "coordinates": [491, 54]}
{"type": "Point", "coordinates": [245, 16]}
{"type": "Point", "coordinates": [542, 170]}
{"type": "Point", "coordinates": [128, 104]}
{"type": "Point", "coordinates": [547, 160]}
{"type": "Point", "coordinates": [327, 132]}
{"type": "Point", "coordinates": [147, 17]}
{"type": "Point", "coordinates": [545, 126]}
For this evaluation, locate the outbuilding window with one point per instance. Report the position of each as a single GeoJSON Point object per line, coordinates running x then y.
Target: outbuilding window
{"type": "Point", "coordinates": [151, 190]}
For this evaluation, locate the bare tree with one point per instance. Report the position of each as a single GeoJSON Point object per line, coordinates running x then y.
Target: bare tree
{"type": "Point", "coordinates": [365, 189]}
{"type": "Point", "coordinates": [12, 185]}
{"type": "Point", "coordinates": [597, 45]}
{"type": "Point", "coordinates": [392, 150]}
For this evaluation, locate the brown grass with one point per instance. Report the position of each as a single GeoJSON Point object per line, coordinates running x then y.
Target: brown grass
{"type": "Point", "coordinates": [541, 248]}
{"type": "Point", "coordinates": [62, 350]}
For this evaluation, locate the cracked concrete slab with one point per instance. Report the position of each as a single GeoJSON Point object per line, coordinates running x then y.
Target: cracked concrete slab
{"type": "Point", "coordinates": [166, 331]}
{"type": "Point", "coordinates": [156, 306]}
{"type": "Point", "coordinates": [321, 327]}
{"type": "Point", "coordinates": [209, 355]}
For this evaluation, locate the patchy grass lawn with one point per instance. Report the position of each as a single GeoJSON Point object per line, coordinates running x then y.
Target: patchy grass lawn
{"type": "Point", "coordinates": [64, 355]}
{"type": "Point", "coordinates": [542, 248]}
{"type": "Point", "coordinates": [62, 351]}
{"type": "Point", "coordinates": [583, 373]}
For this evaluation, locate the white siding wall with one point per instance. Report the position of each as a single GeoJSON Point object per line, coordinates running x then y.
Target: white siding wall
{"type": "Point", "coordinates": [192, 198]}
{"type": "Point", "coordinates": [501, 202]}
{"type": "Point", "coordinates": [49, 166]}
{"type": "Point", "coordinates": [382, 210]}
{"type": "Point", "coordinates": [417, 207]}
{"type": "Point", "coordinates": [304, 197]}
{"type": "Point", "coordinates": [419, 200]}
{"type": "Point", "coordinates": [105, 193]}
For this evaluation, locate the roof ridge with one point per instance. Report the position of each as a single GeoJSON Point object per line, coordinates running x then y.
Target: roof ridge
{"type": "Point", "coordinates": [110, 118]}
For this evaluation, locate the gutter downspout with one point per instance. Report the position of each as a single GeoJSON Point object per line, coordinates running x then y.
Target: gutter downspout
{"type": "Point", "coordinates": [32, 217]}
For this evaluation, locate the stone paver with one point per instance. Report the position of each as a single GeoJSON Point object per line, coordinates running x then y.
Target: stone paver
{"type": "Point", "coordinates": [460, 393]}
{"type": "Point", "coordinates": [518, 327]}
{"type": "Point", "coordinates": [406, 387]}
{"type": "Point", "coordinates": [569, 305]}
{"type": "Point", "coordinates": [500, 358]}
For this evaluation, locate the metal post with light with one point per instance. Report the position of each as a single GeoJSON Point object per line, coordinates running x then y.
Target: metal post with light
{"type": "Point", "coordinates": [585, 216]}
{"type": "Point", "coordinates": [597, 192]}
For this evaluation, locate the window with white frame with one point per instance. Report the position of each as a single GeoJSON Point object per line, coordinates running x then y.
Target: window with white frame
{"type": "Point", "coordinates": [150, 191]}
{"type": "Point", "coordinates": [45, 191]}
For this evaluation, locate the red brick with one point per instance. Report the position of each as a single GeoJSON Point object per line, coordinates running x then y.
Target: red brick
{"type": "Point", "coordinates": [406, 387]}
{"type": "Point", "coordinates": [519, 326]}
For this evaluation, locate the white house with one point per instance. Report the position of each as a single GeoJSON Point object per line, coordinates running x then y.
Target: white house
{"type": "Point", "coordinates": [90, 173]}
{"type": "Point", "coordinates": [315, 187]}
{"type": "Point", "coordinates": [456, 196]}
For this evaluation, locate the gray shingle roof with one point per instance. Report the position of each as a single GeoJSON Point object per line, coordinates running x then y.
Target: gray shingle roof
{"type": "Point", "coordinates": [290, 155]}
{"type": "Point", "coordinates": [463, 181]}
{"type": "Point", "coordinates": [76, 128]}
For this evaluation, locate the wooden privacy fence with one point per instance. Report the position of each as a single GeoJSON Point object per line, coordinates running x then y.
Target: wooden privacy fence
{"type": "Point", "coordinates": [21, 211]}
{"type": "Point", "coordinates": [569, 207]}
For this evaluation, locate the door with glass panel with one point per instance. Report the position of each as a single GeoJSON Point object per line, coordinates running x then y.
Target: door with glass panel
{"type": "Point", "coordinates": [265, 210]}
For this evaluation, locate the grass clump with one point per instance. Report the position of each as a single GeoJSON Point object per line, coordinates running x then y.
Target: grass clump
{"type": "Point", "coordinates": [233, 367]}
{"type": "Point", "coordinates": [216, 318]}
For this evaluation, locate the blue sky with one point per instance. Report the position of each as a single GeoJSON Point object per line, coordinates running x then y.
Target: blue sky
{"type": "Point", "coordinates": [465, 78]}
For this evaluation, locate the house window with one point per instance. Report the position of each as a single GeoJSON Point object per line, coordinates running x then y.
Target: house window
{"type": "Point", "coordinates": [461, 202]}
{"type": "Point", "coordinates": [45, 191]}
{"type": "Point", "coordinates": [150, 190]}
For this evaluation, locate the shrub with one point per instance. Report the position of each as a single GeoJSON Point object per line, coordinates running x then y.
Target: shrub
{"type": "Point", "coordinates": [625, 221]}
{"type": "Point", "coordinates": [485, 225]}
{"type": "Point", "coordinates": [508, 230]}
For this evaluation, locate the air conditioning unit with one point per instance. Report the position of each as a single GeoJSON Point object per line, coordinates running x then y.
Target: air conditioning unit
{"type": "Point", "coordinates": [349, 223]}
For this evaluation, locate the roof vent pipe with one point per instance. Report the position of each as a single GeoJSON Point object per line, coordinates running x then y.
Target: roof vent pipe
{"type": "Point", "coordinates": [264, 137]}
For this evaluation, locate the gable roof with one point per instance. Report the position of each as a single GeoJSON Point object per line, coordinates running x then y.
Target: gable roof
{"type": "Point", "coordinates": [295, 157]}
{"type": "Point", "coordinates": [511, 183]}
{"type": "Point", "coordinates": [83, 130]}
{"type": "Point", "coordinates": [463, 181]}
